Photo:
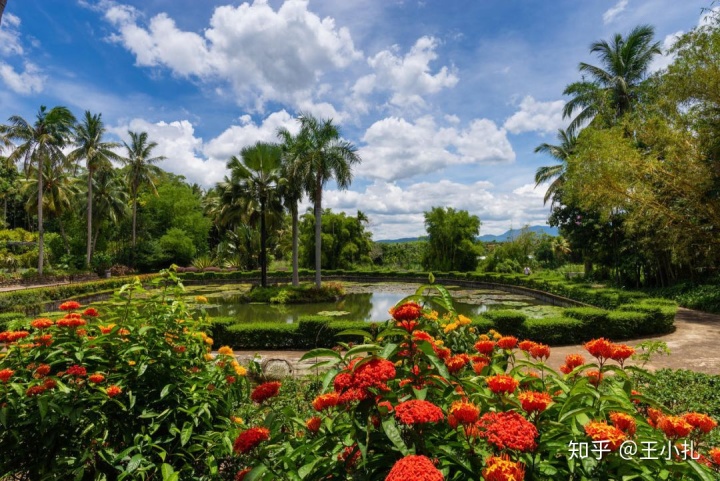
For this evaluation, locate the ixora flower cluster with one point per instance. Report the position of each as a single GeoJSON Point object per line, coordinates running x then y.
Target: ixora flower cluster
{"type": "Point", "coordinates": [431, 399]}
{"type": "Point", "coordinates": [121, 393]}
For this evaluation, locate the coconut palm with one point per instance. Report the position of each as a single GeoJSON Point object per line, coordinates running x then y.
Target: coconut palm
{"type": "Point", "coordinates": [624, 65]}
{"type": "Point", "coordinates": [257, 175]}
{"type": "Point", "coordinates": [291, 191]}
{"type": "Point", "coordinates": [110, 199]}
{"type": "Point", "coordinates": [2, 8]}
{"type": "Point", "coordinates": [140, 170]}
{"type": "Point", "coordinates": [98, 155]}
{"type": "Point", "coordinates": [39, 144]}
{"type": "Point", "coordinates": [321, 155]}
{"type": "Point", "coordinates": [556, 173]}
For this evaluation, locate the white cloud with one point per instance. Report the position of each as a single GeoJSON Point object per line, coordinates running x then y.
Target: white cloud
{"type": "Point", "coordinates": [396, 212]}
{"type": "Point", "coordinates": [397, 149]}
{"type": "Point", "coordinates": [408, 78]}
{"type": "Point", "coordinates": [535, 116]}
{"type": "Point", "coordinates": [662, 61]}
{"type": "Point", "coordinates": [10, 35]}
{"type": "Point", "coordinates": [264, 54]}
{"type": "Point", "coordinates": [613, 12]}
{"type": "Point", "coordinates": [26, 82]}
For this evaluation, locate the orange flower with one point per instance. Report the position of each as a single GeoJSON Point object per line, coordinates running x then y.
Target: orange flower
{"type": "Point", "coordinates": [422, 336]}
{"type": "Point", "coordinates": [13, 336]}
{"type": "Point", "coordinates": [69, 306]}
{"type": "Point", "coordinates": [265, 391]}
{"type": "Point", "coordinates": [35, 390]}
{"type": "Point", "coordinates": [540, 351]}
{"type": "Point", "coordinates": [42, 323]}
{"type": "Point", "coordinates": [326, 401]}
{"type": "Point", "coordinates": [502, 383]}
{"type": "Point", "coordinates": [621, 352]}
{"type": "Point", "coordinates": [703, 422]}
{"type": "Point", "coordinates": [526, 345]}
{"type": "Point", "coordinates": [674, 426]}
{"type": "Point", "coordinates": [534, 401]}
{"type": "Point", "coordinates": [113, 391]}
{"type": "Point", "coordinates": [250, 439]}
{"type": "Point", "coordinates": [478, 366]}
{"type": "Point", "coordinates": [6, 374]}
{"type": "Point", "coordinates": [601, 431]}
{"type": "Point", "coordinates": [91, 312]}
{"type": "Point", "coordinates": [42, 370]}
{"type": "Point", "coordinates": [594, 377]}
{"type": "Point", "coordinates": [507, 342]}
{"type": "Point", "coordinates": [485, 347]}
{"type": "Point", "coordinates": [507, 430]}
{"type": "Point", "coordinates": [456, 363]}
{"type": "Point", "coordinates": [418, 412]}
{"type": "Point", "coordinates": [572, 361]}
{"type": "Point", "coordinates": [715, 455]}
{"type": "Point", "coordinates": [96, 378]}
{"type": "Point", "coordinates": [409, 311]}
{"type": "Point", "coordinates": [44, 340]}
{"type": "Point", "coordinates": [107, 329]}
{"type": "Point", "coordinates": [240, 476]}
{"type": "Point", "coordinates": [415, 468]}
{"type": "Point", "coordinates": [71, 322]}
{"type": "Point", "coordinates": [624, 422]}
{"type": "Point", "coordinates": [599, 348]}
{"type": "Point", "coordinates": [226, 351]}
{"type": "Point", "coordinates": [313, 424]}
{"type": "Point", "coordinates": [464, 412]}
{"type": "Point", "coordinates": [500, 468]}
{"type": "Point", "coordinates": [77, 371]}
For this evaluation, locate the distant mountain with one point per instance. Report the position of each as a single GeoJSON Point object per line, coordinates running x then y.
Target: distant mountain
{"type": "Point", "coordinates": [511, 234]}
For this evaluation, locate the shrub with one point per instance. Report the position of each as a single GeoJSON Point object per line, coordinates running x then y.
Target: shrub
{"type": "Point", "coordinates": [622, 324]}
{"type": "Point", "coordinates": [555, 331]}
{"type": "Point", "coordinates": [507, 321]}
{"type": "Point", "coordinates": [589, 315]}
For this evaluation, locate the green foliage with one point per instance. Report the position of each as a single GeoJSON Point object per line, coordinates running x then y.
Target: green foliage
{"type": "Point", "coordinates": [345, 241]}
{"type": "Point", "coordinates": [507, 321]}
{"type": "Point", "coordinates": [399, 255]}
{"type": "Point", "coordinates": [306, 293]}
{"type": "Point", "coordinates": [451, 240]}
{"type": "Point", "coordinates": [177, 246]}
{"type": "Point", "coordinates": [556, 331]}
{"type": "Point", "coordinates": [158, 406]}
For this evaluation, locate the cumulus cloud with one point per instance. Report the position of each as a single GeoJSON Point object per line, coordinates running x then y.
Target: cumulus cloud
{"type": "Point", "coordinates": [277, 55]}
{"type": "Point", "coordinates": [613, 12]}
{"type": "Point", "coordinates": [535, 116]}
{"type": "Point", "coordinates": [662, 61]}
{"type": "Point", "coordinates": [408, 77]}
{"type": "Point", "coordinates": [29, 81]}
{"type": "Point", "coordinates": [396, 149]}
{"type": "Point", "coordinates": [396, 211]}
{"type": "Point", "coordinates": [10, 35]}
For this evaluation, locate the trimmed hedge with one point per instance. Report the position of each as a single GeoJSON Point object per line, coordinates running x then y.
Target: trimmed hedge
{"type": "Point", "coordinates": [554, 331]}
{"type": "Point", "coordinates": [508, 322]}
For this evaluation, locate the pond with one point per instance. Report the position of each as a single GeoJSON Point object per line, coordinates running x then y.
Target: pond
{"type": "Point", "coordinates": [369, 302]}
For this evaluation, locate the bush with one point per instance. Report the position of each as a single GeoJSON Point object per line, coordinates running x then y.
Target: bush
{"type": "Point", "coordinates": [507, 321]}
{"type": "Point", "coordinates": [555, 331]}
{"type": "Point", "coordinates": [622, 324]}
{"type": "Point", "coordinates": [589, 315]}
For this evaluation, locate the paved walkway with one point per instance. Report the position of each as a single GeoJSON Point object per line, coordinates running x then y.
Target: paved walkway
{"type": "Point", "coordinates": [694, 345]}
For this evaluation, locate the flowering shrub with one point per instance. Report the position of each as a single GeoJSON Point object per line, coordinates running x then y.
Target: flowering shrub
{"type": "Point", "coordinates": [130, 393]}
{"type": "Point", "coordinates": [429, 398]}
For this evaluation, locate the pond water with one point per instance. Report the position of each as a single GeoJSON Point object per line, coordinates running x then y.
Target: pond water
{"type": "Point", "coordinates": [366, 302]}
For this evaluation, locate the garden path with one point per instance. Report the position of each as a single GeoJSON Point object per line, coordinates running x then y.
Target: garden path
{"type": "Point", "coordinates": [694, 345]}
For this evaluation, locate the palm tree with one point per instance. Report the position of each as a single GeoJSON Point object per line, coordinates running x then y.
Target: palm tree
{"type": "Point", "coordinates": [320, 156]}
{"type": "Point", "coordinates": [140, 170]}
{"type": "Point", "coordinates": [257, 176]}
{"type": "Point", "coordinates": [40, 144]}
{"type": "Point", "coordinates": [291, 191]}
{"type": "Point", "coordinates": [97, 155]}
{"type": "Point", "coordinates": [624, 65]}
{"type": "Point", "coordinates": [2, 8]}
{"type": "Point", "coordinates": [556, 173]}
{"type": "Point", "coordinates": [110, 199]}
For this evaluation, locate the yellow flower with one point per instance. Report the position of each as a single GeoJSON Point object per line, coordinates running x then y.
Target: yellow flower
{"type": "Point", "coordinates": [239, 370]}
{"type": "Point", "coordinates": [398, 363]}
{"type": "Point", "coordinates": [472, 330]}
{"type": "Point", "coordinates": [131, 363]}
{"type": "Point", "coordinates": [226, 350]}
{"type": "Point", "coordinates": [483, 337]}
{"type": "Point", "coordinates": [496, 335]}
{"type": "Point", "coordinates": [433, 316]}
{"type": "Point", "coordinates": [201, 299]}
{"type": "Point", "coordinates": [236, 420]}
{"type": "Point", "coordinates": [463, 320]}
{"type": "Point", "coordinates": [451, 327]}
{"type": "Point", "coordinates": [439, 342]}
{"type": "Point", "coordinates": [208, 341]}
{"type": "Point", "coordinates": [209, 357]}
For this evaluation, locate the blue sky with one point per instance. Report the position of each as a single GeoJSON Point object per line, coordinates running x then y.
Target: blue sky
{"type": "Point", "coordinates": [445, 100]}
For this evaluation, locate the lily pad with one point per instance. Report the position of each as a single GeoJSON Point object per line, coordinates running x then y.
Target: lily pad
{"type": "Point", "coordinates": [333, 313]}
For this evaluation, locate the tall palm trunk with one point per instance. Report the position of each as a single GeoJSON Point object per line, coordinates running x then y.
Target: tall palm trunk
{"type": "Point", "coordinates": [41, 228]}
{"type": "Point", "coordinates": [318, 231]}
{"type": "Point", "coordinates": [88, 256]}
{"type": "Point", "coordinates": [263, 241]}
{"type": "Point", "coordinates": [295, 273]}
{"type": "Point", "coordinates": [2, 8]}
{"type": "Point", "coordinates": [66, 242]}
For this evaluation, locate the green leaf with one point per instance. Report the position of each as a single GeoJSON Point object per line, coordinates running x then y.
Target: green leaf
{"type": "Point", "coordinates": [256, 474]}
{"type": "Point", "coordinates": [186, 433]}
{"type": "Point", "coordinates": [166, 390]}
{"type": "Point", "coordinates": [42, 406]}
{"type": "Point", "coordinates": [320, 352]}
{"type": "Point", "coordinates": [168, 473]}
{"type": "Point", "coordinates": [434, 360]}
{"type": "Point", "coordinates": [134, 463]}
{"type": "Point", "coordinates": [362, 348]}
{"type": "Point", "coordinates": [393, 434]}
{"type": "Point", "coordinates": [354, 332]}
{"type": "Point", "coordinates": [431, 278]}
{"type": "Point", "coordinates": [307, 468]}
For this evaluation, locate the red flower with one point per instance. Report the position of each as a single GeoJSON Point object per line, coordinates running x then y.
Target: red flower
{"type": "Point", "coordinates": [715, 455]}
{"type": "Point", "coordinates": [265, 391]}
{"type": "Point", "coordinates": [353, 384]}
{"type": "Point", "coordinates": [240, 476]}
{"type": "Point", "coordinates": [507, 430]}
{"type": "Point", "coordinates": [572, 361]}
{"type": "Point", "coordinates": [42, 370]}
{"type": "Point", "coordinates": [674, 426]}
{"type": "Point", "coordinates": [414, 468]}
{"type": "Point", "coordinates": [599, 348]}
{"type": "Point", "coordinates": [478, 366]}
{"type": "Point", "coordinates": [77, 371]}
{"type": "Point", "coordinates": [91, 312]}
{"type": "Point", "coordinates": [71, 322]}
{"type": "Point", "coordinates": [442, 352]}
{"type": "Point", "coordinates": [507, 342]}
{"type": "Point", "coordinates": [534, 401]}
{"type": "Point", "coordinates": [526, 345]}
{"type": "Point", "coordinates": [349, 456]}
{"type": "Point", "coordinates": [485, 347]}
{"type": "Point", "coordinates": [624, 422]}
{"type": "Point", "coordinates": [96, 378]}
{"type": "Point", "coordinates": [250, 439]}
{"type": "Point", "coordinates": [230, 379]}
{"type": "Point", "coordinates": [464, 412]}
{"type": "Point", "coordinates": [69, 306]}
{"type": "Point", "coordinates": [42, 323]}
{"type": "Point", "coordinates": [113, 391]}
{"type": "Point", "coordinates": [703, 422]}
{"type": "Point", "coordinates": [325, 401]}
{"type": "Point", "coordinates": [594, 377]}
{"type": "Point", "coordinates": [540, 351]}
{"type": "Point", "coordinates": [418, 412]}
{"type": "Point", "coordinates": [502, 383]}
{"type": "Point", "coordinates": [6, 374]}
{"type": "Point", "coordinates": [313, 424]}
{"type": "Point", "coordinates": [456, 363]}
{"type": "Point", "coordinates": [44, 340]}
{"type": "Point", "coordinates": [12, 336]}
{"type": "Point", "coordinates": [409, 311]}
{"type": "Point", "coordinates": [49, 383]}
{"type": "Point", "coordinates": [502, 469]}
{"type": "Point", "coordinates": [601, 431]}
{"type": "Point", "coordinates": [35, 390]}
{"type": "Point", "coordinates": [422, 336]}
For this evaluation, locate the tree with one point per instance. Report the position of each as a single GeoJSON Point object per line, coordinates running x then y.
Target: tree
{"type": "Point", "coordinates": [556, 173]}
{"type": "Point", "coordinates": [39, 144]}
{"type": "Point", "coordinates": [110, 199]}
{"type": "Point", "coordinates": [321, 155]}
{"type": "Point", "coordinates": [291, 190]}
{"type": "Point", "coordinates": [346, 243]}
{"type": "Point", "coordinates": [2, 9]}
{"type": "Point", "coordinates": [97, 154]}
{"type": "Point", "coordinates": [452, 244]}
{"type": "Point", "coordinates": [257, 176]}
{"type": "Point", "coordinates": [624, 65]}
{"type": "Point", "coordinates": [140, 170]}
